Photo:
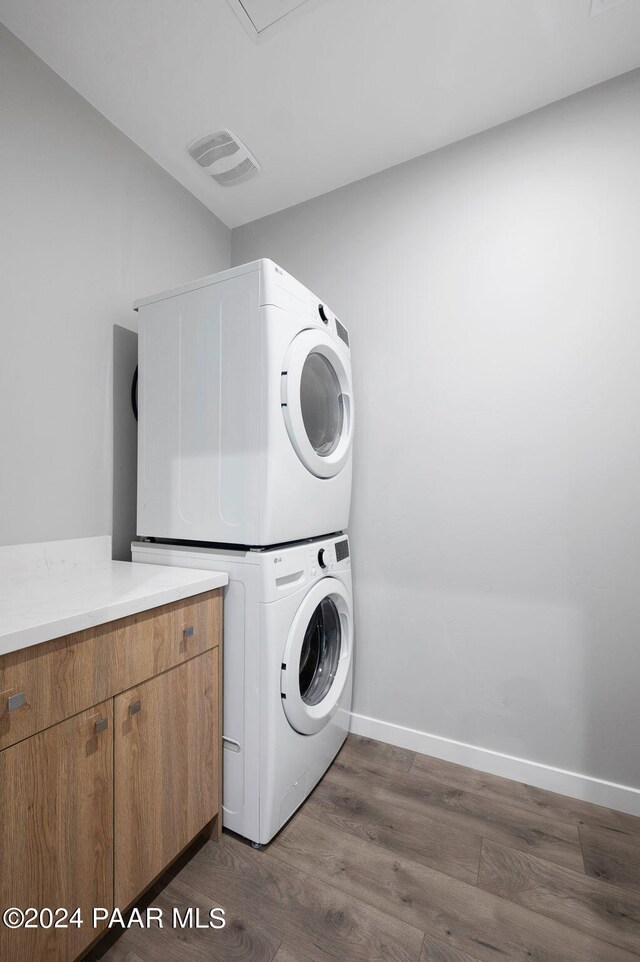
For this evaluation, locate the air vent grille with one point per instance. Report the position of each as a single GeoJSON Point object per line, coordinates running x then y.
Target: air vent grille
{"type": "Point", "coordinates": [215, 149]}
{"type": "Point", "coordinates": [225, 158]}
{"type": "Point", "coordinates": [342, 550]}
{"type": "Point", "coordinates": [237, 175]}
{"type": "Point", "coordinates": [342, 332]}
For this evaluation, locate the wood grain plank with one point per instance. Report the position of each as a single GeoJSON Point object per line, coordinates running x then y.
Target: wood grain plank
{"type": "Point", "coordinates": [111, 951]}
{"type": "Point", "coordinates": [121, 955]}
{"type": "Point", "coordinates": [529, 798]}
{"type": "Point", "coordinates": [433, 950]}
{"type": "Point", "coordinates": [166, 780]}
{"type": "Point", "coordinates": [459, 811]}
{"type": "Point", "coordinates": [287, 954]}
{"type": "Point", "coordinates": [611, 859]}
{"type": "Point", "coordinates": [604, 911]}
{"type": "Point", "coordinates": [243, 939]}
{"type": "Point", "coordinates": [375, 757]}
{"type": "Point", "coordinates": [306, 913]}
{"type": "Point", "coordinates": [56, 833]}
{"type": "Point", "coordinates": [410, 830]}
{"type": "Point", "coordinates": [462, 917]}
{"type": "Point", "coordinates": [312, 952]}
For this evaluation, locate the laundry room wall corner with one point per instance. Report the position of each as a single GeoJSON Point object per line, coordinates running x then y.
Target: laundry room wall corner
{"type": "Point", "coordinates": [491, 293]}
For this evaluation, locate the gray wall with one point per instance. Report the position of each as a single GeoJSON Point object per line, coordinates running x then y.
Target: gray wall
{"type": "Point", "coordinates": [87, 223]}
{"type": "Point", "coordinates": [492, 293]}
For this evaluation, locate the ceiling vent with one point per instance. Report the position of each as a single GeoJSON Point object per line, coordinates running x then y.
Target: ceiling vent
{"type": "Point", "coordinates": [225, 158]}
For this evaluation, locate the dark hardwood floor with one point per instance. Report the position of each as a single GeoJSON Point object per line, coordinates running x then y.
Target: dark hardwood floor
{"type": "Point", "coordinates": [398, 857]}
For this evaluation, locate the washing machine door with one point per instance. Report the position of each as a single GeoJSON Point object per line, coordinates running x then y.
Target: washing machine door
{"type": "Point", "coordinates": [317, 657]}
{"type": "Point", "coordinates": [317, 402]}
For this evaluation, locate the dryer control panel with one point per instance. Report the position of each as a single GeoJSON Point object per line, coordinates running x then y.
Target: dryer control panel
{"type": "Point", "coordinates": [284, 291]}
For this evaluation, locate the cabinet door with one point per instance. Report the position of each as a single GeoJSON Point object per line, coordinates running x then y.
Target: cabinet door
{"type": "Point", "coordinates": [56, 832]}
{"type": "Point", "coordinates": [166, 770]}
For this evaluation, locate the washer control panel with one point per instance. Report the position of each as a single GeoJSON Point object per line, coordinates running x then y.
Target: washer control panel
{"type": "Point", "coordinates": [291, 566]}
{"type": "Point", "coordinates": [325, 557]}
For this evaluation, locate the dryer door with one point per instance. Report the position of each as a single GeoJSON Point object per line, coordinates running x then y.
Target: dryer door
{"type": "Point", "coordinates": [317, 657]}
{"type": "Point", "coordinates": [317, 403]}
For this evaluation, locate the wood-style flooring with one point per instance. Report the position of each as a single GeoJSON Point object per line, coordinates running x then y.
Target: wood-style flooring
{"type": "Point", "coordinates": [398, 857]}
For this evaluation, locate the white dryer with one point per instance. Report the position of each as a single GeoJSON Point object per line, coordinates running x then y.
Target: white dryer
{"type": "Point", "coordinates": [245, 411]}
{"type": "Point", "coordinates": [288, 655]}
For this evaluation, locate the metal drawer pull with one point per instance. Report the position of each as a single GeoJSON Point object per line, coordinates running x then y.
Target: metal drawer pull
{"type": "Point", "coordinates": [135, 707]}
{"type": "Point", "coordinates": [101, 725]}
{"type": "Point", "coordinates": [15, 701]}
{"type": "Point", "coordinates": [188, 632]}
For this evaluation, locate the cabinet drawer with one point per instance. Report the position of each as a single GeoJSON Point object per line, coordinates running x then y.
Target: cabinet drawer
{"type": "Point", "coordinates": [151, 642]}
{"type": "Point", "coordinates": [41, 685]}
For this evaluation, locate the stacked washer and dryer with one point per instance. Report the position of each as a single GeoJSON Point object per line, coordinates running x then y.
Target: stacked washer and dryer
{"type": "Point", "coordinates": [244, 466]}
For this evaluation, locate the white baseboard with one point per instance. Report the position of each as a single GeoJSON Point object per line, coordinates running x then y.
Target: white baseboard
{"type": "Point", "coordinates": [623, 798]}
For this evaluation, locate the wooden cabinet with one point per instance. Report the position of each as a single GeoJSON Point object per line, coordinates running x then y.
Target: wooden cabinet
{"type": "Point", "coordinates": [166, 751]}
{"type": "Point", "coordinates": [62, 677]}
{"type": "Point", "coordinates": [56, 832]}
{"type": "Point", "coordinates": [110, 765]}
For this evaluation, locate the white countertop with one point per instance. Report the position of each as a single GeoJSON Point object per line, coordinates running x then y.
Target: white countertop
{"type": "Point", "coordinates": [56, 588]}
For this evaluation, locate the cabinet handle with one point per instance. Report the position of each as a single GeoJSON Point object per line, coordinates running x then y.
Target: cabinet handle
{"type": "Point", "coordinates": [188, 632]}
{"type": "Point", "coordinates": [135, 707]}
{"type": "Point", "coordinates": [101, 725]}
{"type": "Point", "coordinates": [15, 701]}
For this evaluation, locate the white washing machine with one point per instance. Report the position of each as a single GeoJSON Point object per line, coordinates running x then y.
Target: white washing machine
{"type": "Point", "coordinates": [245, 411]}
{"type": "Point", "coordinates": [288, 653]}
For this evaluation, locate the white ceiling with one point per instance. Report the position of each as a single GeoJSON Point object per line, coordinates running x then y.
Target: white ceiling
{"type": "Point", "coordinates": [339, 90]}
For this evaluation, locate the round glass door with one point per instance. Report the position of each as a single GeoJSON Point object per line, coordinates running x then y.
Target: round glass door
{"type": "Point", "coordinates": [321, 403]}
{"type": "Point", "coordinates": [316, 662]}
{"type": "Point", "coordinates": [320, 653]}
{"type": "Point", "coordinates": [317, 403]}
